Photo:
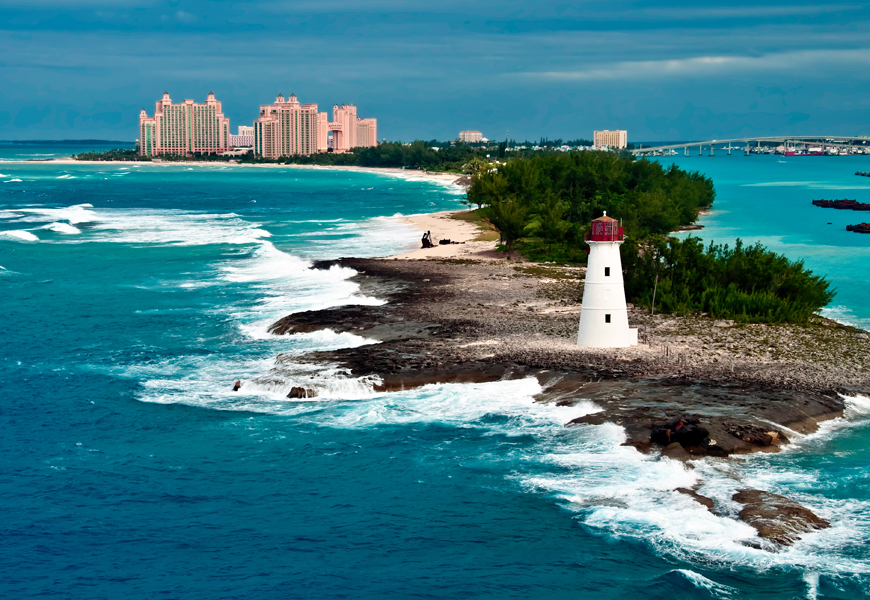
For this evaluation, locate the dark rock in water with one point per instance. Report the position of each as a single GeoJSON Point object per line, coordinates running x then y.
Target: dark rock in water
{"type": "Point", "coordinates": [777, 518]}
{"type": "Point", "coordinates": [676, 452]}
{"type": "Point", "coordinates": [237, 386]}
{"type": "Point", "coordinates": [708, 502]}
{"type": "Point", "coordinates": [844, 204]}
{"type": "Point", "coordinates": [297, 392]}
{"type": "Point", "coordinates": [311, 393]}
{"type": "Point", "coordinates": [685, 430]}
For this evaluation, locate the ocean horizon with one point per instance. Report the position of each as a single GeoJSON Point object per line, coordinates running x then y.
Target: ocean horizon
{"type": "Point", "coordinates": [135, 295]}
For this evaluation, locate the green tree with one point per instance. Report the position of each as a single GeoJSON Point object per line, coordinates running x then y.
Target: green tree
{"type": "Point", "coordinates": [509, 217]}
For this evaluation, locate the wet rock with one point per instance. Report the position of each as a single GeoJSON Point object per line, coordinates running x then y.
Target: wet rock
{"type": "Point", "coordinates": [237, 386]}
{"type": "Point", "coordinates": [297, 392]}
{"type": "Point", "coordinates": [777, 518]}
{"type": "Point", "coordinates": [310, 393]}
{"type": "Point", "coordinates": [676, 452]}
{"type": "Point", "coordinates": [753, 434]}
{"type": "Point", "coordinates": [708, 502]}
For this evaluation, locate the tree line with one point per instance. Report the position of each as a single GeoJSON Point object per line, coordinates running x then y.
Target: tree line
{"type": "Point", "coordinates": [543, 206]}
{"type": "Point", "coordinates": [451, 157]}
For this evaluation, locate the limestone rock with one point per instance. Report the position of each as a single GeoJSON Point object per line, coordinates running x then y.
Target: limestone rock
{"type": "Point", "coordinates": [753, 434]}
{"type": "Point", "coordinates": [777, 518]}
{"type": "Point", "coordinates": [676, 452]}
{"type": "Point", "coordinates": [708, 502]}
{"type": "Point", "coordinates": [298, 392]}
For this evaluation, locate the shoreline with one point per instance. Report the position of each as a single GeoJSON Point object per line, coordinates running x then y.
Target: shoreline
{"type": "Point", "coordinates": [452, 179]}
{"type": "Point", "coordinates": [467, 237]}
{"type": "Point", "coordinates": [459, 319]}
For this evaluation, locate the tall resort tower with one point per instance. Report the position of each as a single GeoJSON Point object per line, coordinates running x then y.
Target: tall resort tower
{"type": "Point", "coordinates": [603, 314]}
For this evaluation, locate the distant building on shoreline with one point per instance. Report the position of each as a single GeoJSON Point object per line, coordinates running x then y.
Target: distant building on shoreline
{"type": "Point", "coordinates": [612, 139]}
{"type": "Point", "coordinates": [366, 133]}
{"type": "Point", "coordinates": [470, 137]}
{"type": "Point", "coordinates": [185, 128]}
{"type": "Point", "coordinates": [287, 128]}
{"type": "Point", "coordinates": [244, 139]}
{"type": "Point", "coordinates": [284, 128]}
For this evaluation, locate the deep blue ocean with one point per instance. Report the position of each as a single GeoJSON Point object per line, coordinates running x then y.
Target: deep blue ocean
{"type": "Point", "coordinates": [133, 296]}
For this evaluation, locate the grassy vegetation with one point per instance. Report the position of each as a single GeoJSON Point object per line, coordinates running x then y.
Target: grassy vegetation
{"type": "Point", "coordinates": [487, 232]}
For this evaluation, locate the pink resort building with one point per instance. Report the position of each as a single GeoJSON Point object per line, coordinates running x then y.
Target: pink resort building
{"type": "Point", "coordinates": [184, 128]}
{"type": "Point", "coordinates": [367, 133]}
{"type": "Point", "coordinates": [287, 127]}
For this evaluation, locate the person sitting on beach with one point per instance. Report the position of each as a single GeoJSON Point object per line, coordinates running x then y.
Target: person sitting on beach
{"type": "Point", "coordinates": [427, 240]}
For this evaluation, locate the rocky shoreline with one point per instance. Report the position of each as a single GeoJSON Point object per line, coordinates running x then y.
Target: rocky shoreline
{"type": "Point", "coordinates": [476, 321]}
{"type": "Point", "coordinates": [749, 387]}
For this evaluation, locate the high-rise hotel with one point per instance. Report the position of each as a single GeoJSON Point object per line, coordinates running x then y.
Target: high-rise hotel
{"type": "Point", "coordinates": [284, 128]}
{"type": "Point", "coordinates": [287, 127]}
{"type": "Point", "coordinates": [185, 128]}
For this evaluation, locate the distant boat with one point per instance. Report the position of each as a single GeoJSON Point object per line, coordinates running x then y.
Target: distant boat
{"type": "Point", "coordinates": [810, 152]}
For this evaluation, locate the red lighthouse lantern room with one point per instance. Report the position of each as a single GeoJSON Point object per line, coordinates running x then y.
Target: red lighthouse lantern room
{"type": "Point", "coordinates": [605, 229]}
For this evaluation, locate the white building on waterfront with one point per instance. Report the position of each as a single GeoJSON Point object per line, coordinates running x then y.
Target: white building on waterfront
{"type": "Point", "coordinates": [245, 137]}
{"type": "Point", "coordinates": [617, 139]}
{"type": "Point", "coordinates": [470, 137]}
{"type": "Point", "coordinates": [603, 313]}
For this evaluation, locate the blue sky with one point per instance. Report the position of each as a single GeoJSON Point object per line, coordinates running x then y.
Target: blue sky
{"type": "Point", "coordinates": [663, 70]}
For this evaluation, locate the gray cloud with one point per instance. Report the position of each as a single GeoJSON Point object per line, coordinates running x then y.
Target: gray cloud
{"type": "Point", "coordinates": [536, 69]}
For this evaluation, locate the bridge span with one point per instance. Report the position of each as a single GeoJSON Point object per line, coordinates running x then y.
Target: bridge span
{"type": "Point", "coordinates": [855, 144]}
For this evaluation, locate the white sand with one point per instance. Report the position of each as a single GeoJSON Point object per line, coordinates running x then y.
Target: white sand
{"type": "Point", "coordinates": [445, 228]}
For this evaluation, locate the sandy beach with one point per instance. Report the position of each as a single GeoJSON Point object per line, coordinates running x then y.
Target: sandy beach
{"type": "Point", "coordinates": [443, 226]}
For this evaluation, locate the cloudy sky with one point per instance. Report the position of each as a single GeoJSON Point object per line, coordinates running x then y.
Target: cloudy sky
{"type": "Point", "coordinates": [664, 70]}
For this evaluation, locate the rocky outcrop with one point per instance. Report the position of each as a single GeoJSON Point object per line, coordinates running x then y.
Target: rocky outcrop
{"type": "Point", "coordinates": [776, 518]}
{"type": "Point", "coordinates": [453, 320]}
{"type": "Point", "coordinates": [704, 500]}
{"type": "Point", "coordinates": [301, 392]}
{"type": "Point", "coordinates": [755, 434]}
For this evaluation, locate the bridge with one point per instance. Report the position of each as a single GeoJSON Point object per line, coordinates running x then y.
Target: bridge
{"type": "Point", "coordinates": [792, 141]}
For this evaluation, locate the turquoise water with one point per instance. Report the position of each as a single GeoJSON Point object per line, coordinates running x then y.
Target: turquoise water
{"type": "Point", "coordinates": [768, 199]}
{"type": "Point", "coordinates": [134, 296]}
{"type": "Point", "coordinates": [35, 151]}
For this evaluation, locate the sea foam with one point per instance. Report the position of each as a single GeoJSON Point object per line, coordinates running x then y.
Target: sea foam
{"type": "Point", "coordinates": [20, 235]}
{"type": "Point", "coordinates": [63, 228]}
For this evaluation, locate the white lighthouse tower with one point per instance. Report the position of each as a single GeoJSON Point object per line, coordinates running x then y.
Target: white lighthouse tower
{"type": "Point", "coordinates": [603, 314]}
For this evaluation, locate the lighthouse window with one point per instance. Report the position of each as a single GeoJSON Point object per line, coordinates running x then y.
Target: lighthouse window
{"type": "Point", "coordinates": [607, 271]}
{"type": "Point", "coordinates": [607, 318]}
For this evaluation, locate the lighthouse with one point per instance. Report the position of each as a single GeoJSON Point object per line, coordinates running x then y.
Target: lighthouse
{"type": "Point", "coordinates": [603, 314]}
